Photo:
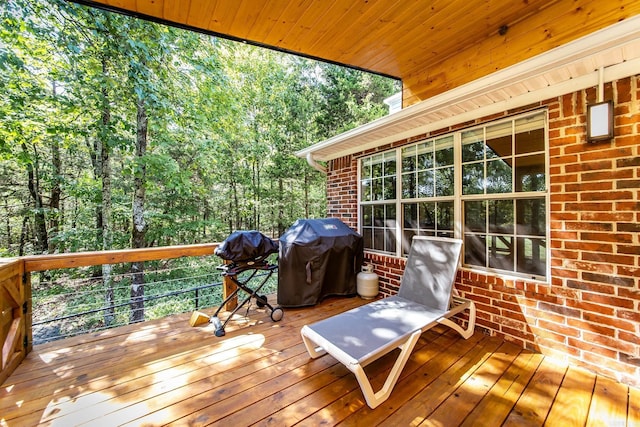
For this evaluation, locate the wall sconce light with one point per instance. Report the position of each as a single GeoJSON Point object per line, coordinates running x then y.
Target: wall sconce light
{"type": "Point", "coordinates": [600, 121]}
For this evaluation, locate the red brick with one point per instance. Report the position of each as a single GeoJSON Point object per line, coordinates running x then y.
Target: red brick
{"type": "Point", "coordinates": [604, 257]}
{"type": "Point", "coordinates": [589, 226]}
{"type": "Point", "coordinates": [586, 206]}
{"type": "Point", "coordinates": [611, 321]}
{"type": "Point", "coordinates": [629, 315]}
{"type": "Point", "coordinates": [590, 306]}
{"type": "Point", "coordinates": [632, 338]}
{"type": "Point", "coordinates": [590, 166]}
{"type": "Point", "coordinates": [592, 186]}
{"type": "Point", "coordinates": [607, 300]}
{"type": "Point", "coordinates": [607, 237]}
{"type": "Point", "coordinates": [623, 90]}
{"type": "Point", "coordinates": [559, 309]}
{"type": "Point", "coordinates": [564, 178]}
{"type": "Point", "coordinates": [611, 153]}
{"type": "Point", "coordinates": [565, 330]}
{"type": "Point", "coordinates": [589, 246]}
{"type": "Point", "coordinates": [592, 287]}
{"type": "Point", "coordinates": [590, 347]}
{"type": "Point", "coordinates": [629, 183]}
{"type": "Point", "coordinates": [610, 175]}
{"type": "Point", "coordinates": [609, 342]}
{"type": "Point", "coordinates": [524, 334]}
{"type": "Point", "coordinates": [606, 216]}
{"type": "Point", "coordinates": [547, 315]}
{"type": "Point", "coordinates": [596, 328]}
{"type": "Point", "coordinates": [546, 335]}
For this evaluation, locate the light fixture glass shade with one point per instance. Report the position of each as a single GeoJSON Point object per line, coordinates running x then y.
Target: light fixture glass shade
{"type": "Point", "coordinates": [600, 121]}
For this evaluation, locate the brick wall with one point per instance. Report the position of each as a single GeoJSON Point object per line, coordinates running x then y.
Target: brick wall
{"type": "Point", "coordinates": [589, 312]}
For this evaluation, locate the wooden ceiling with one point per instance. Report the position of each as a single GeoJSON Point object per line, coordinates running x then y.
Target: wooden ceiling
{"type": "Point", "coordinates": [432, 45]}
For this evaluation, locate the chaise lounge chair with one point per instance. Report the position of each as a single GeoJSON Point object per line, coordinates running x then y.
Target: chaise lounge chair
{"type": "Point", "coordinates": [364, 334]}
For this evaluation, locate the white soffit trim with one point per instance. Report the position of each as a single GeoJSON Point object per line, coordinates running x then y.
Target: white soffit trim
{"type": "Point", "coordinates": [565, 69]}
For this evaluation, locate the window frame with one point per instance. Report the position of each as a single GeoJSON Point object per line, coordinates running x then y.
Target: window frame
{"type": "Point", "coordinates": [459, 198]}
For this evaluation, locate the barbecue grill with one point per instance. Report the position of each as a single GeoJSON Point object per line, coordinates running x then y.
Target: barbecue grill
{"type": "Point", "coordinates": [247, 251]}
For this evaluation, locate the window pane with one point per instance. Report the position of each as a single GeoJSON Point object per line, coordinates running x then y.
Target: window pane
{"type": "Point", "coordinates": [378, 239]}
{"type": "Point", "coordinates": [530, 134]}
{"type": "Point", "coordinates": [499, 140]}
{"type": "Point", "coordinates": [409, 185]}
{"type": "Point", "coordinates": [501, 252]}
{"type": "Point", "coordinates": [473, 145]}
{"type": "Point", "coordinates": [390, 216]}
{"type": "Point", "coordinates": [475, 217]}
{"type": "Point", "coordinates": [367, 216]}
{"type": "Point", "coordinates": [366, 168]}
{"type": "Point", "coordinates": [531, 217]}
{"type": "Point", "coordinates": [390, 166]}
{"type": "Point", "coordinates": [444, 181]}
{"type": "Point", "coordinates": [406, 241]}
{"type": "Point", "coordinates": [376, 189]}
{"type": "Point", "coordinates": [378, 215]}
{"type": "Point", "coordinates": [532, 255]}
{"type": "Point", "coordinates": [425, 183]}
{"type": "Point", "coordinates": [444, 151]}
{"type": "Point", "coordinates": [445, 216]}
{"type": "Point", "coordinates": [410, 215]}
{"type": "Point", "coordinates": [389, 187]}
{"type": "Point", "coordinates": [376, 167]}
{"type": "Point", "coordinates": [475, 250]}
{"type": "Point", "coordinates": [390, 240]}
{"type": "Point", "coordinates": [530, 174]}
{"type": "Point", "coordinates": [473, 178]}
{"type": "Point", "coordinates": [498, 176]}
{"type": "Point", "coordinates": [365, 190]}
{"type": "Point", "coordinates": [501, 216]}
{"type": "Point", "coordinates": [367, 235]}
{"type": "Point", "coordinates": [425, 158]}
{"type": "Point", "coordinates": [409, 159]}
{"type": "Point", "coordinates": [428, 216]}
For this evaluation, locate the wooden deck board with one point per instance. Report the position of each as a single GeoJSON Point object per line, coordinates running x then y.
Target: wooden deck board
{"type": "Point", "coordinates": [165, 372]}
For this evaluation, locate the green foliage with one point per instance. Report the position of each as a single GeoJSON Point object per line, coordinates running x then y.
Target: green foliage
{"type": "Point", "coordinates": [224, 121]}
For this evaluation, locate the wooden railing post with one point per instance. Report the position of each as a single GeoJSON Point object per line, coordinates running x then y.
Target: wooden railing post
{"type": "Point", "coordinates": [227, 289]}
{"type": "Point", "coordinates": [27, 310]}
{"type": "Point", "coordinates": [15, 315]}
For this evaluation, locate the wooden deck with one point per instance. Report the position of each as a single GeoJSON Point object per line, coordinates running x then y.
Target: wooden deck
{"type": "Point", "coordinates": [165, 372]}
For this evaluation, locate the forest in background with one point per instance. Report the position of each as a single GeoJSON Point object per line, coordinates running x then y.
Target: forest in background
{"type": "Point", "coordinates": [117, 132]}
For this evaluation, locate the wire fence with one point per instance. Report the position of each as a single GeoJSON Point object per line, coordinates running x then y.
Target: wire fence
{"type": "Point", "coordinates": [78, 301]}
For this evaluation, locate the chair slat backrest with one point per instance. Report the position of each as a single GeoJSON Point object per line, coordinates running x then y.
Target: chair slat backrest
{"type": "Point", "coordinates": [431, 271]}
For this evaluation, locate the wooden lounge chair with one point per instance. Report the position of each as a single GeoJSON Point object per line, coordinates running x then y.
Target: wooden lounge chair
{"type": "Point", "coordinates": [364, 334]}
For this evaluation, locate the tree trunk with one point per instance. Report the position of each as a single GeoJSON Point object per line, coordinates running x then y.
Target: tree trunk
{"type": "Point", "coordinates": [139, 226]}
{"type": "Point", "coordinates": [40, 225]}
{"type": "Point", "coordinates": [56, 192]}
{"type": "Point", "coordinates": [105, 173]}
{"type": "Point", "coordinates": [281, 226]}
{"type": "Point", "coordinates": [306, 195]}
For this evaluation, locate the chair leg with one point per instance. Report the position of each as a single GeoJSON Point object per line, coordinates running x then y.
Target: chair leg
{"type": "Point", "coordinates": [313, 350]}
{"type": "Point", "coordinates": [375, 399]}
{"type": "Point", "coordinates": [465, 332]}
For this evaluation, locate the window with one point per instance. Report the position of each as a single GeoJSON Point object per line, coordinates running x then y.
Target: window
{"type": "Point", "coordinates": [486, 185]}
{"type": "Point", "coordinates": [378, 202]}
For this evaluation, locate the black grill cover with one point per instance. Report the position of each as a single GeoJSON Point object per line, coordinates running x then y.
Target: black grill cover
{"type": "Point", "coordinates": [243, 246]}
{"type": "Point", "coordinates": [317, 258]}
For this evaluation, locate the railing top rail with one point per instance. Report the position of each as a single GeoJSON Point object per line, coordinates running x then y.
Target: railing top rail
{"type": "Point", "coordinates": [83, 259]}
{"type": "Point", "coordinates": [10, 267]}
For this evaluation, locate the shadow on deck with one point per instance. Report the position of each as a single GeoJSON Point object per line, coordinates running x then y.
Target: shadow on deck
{"type": "Point", "coordinates": [166, 372]}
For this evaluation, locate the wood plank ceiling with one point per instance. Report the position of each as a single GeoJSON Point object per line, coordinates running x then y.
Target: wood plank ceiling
{"type": "Point", "coordinates": [432, 45]}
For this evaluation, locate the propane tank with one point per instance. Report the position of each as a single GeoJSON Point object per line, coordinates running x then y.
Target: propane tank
{"type": "Point", "coordinates": [367, 282]}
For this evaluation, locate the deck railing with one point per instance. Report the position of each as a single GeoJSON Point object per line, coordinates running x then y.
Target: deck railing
{"type": "Point", "coordinates": [16, 302]}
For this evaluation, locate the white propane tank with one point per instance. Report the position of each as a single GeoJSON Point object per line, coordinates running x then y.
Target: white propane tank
{"type": "Point", "coordinates": [367, 282]}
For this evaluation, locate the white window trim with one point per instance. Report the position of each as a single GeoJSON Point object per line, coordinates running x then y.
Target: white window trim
{"type": "Point", "coordinates": [458, 197]}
